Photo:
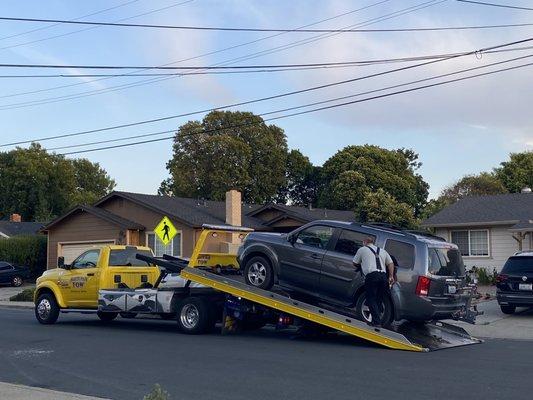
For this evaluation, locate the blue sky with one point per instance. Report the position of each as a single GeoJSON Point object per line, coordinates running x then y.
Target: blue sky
{"type": "Point", "coordinates": [458, 129]}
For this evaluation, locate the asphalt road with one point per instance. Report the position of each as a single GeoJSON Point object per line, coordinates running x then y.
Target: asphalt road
{"type": "Point", "coordinates": [125, 359]}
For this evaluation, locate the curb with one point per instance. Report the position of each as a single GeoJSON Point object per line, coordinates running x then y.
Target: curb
{"type": "Point", "coordinates": [37, 393]}
{"type": "Point", "coordinates": [17, 304]}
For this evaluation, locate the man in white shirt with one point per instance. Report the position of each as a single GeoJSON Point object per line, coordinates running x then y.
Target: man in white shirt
{"type": "Point", "coordinates": [378, 269]}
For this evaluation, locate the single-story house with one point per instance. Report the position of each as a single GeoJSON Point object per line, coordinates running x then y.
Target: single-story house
{"type": "Point", "coordinates": [15, 227]}
{"type": "Point", "coordinates": [487, 229]}
{"type": "Point", "coordinates": [130, 218]}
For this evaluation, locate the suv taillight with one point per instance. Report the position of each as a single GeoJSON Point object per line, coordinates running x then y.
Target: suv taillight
{"type": "Point", "coordinates": [501, 278]}
{"type": "Point", "coordinates": [422, 286]}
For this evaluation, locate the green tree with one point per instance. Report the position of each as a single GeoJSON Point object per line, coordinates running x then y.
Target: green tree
{"type": "Point", "coordinates": [517, 173]}
{"type": "Point", "coordinates": [41, 185]}
{"type": "Point", "coordinates": [227, 150]}
{"type": "Point", "coordinates": [356, 170]}
{"type": "Point", "coordinates": [302, 181]}
{"type": "Point", "coordinates": [380, 206]}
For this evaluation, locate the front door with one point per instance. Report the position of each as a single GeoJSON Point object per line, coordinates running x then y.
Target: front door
{"type": "Point", "coordinates": [301, 263]}
{"type": "Point", "coordinates": [339, 277]}
{"type": "Point", "coordinates": [81, 281]}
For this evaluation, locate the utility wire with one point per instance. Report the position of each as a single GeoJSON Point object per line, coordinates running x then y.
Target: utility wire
{"type": "Point", "coordinates": [240, 29]}
{"type": "Point", "coordinates": [483, 3]}
{"type": "Point", "coordinates": [385, 17]}
{"type": "Point", "coordinates": [224, 49]}
{"type": "Point", "coordinates": [42, 28]}
{"type": "Point", "coordinates": [306, 111]}
{"type": "Point", "coordinates": [309, 89]}
{"type": "Point", "coordinates": [314, 103]}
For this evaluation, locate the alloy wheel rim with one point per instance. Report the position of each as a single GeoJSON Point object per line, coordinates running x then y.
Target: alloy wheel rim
{"type": "Point", "coordinates": [257, 274]}
{"type": "Point", "coordinates": [17, 281]}
{"type": "Point", "coordinates": [365, 311]}
{"type": "Point", "coordinates": [189, 316]}
{"type": "Point", "coordinates": [44, 308]}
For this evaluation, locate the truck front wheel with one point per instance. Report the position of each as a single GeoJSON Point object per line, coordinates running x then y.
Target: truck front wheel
{"type": "Point", "coordinates": [46, 309]}
{"type": "Point", "coordinates": [195, 316]}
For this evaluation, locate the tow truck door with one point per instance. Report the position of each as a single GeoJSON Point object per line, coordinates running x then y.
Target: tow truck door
{"type": "Point", "coordinates": [81, 281]}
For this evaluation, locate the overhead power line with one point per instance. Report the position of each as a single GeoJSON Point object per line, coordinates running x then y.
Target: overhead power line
{"type": "Point", "coordinates": [306, 111]}
{"type": "Point", "coordinates": [148, 81]}
{"type": "Point", "coordinates": [483, 3]}
{"type": "Point", "coordinates": [241, 29]}
{"type": "Point", "coordinates": [309, 89]}
{"type": "Point", "coordinates": [461, 71]}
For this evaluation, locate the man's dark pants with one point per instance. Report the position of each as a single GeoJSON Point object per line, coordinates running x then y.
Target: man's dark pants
{"type": "Point", "coordinates": [376, 287]}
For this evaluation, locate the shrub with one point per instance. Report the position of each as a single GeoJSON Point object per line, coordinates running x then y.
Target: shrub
{"type": "Point", "coordinates": [157, 394]}
{"type": "Point", "coordinates": [25, 295]}
{"type": "Point", "coordinates": [484, 277]}
{"type": "Point", "coordinates": [28, 251]}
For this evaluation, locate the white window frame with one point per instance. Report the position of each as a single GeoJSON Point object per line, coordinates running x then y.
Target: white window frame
{"type": "Point", "coordinates": [178, 232]}
{"type": "Point", "coordinates": [469, 241]}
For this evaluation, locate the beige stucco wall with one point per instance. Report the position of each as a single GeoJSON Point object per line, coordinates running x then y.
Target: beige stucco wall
{"type": "Point", "coordinates": [501, 245]}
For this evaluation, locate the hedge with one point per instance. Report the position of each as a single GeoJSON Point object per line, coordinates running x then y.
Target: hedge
{"type": "Point", "coordinates": [28, 251]}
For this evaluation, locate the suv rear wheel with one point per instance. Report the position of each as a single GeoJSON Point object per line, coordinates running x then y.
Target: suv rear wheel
{"type": "Point", "coordinates": [258, 272]}
{"type": "Point", "coordinates": [363, 312]}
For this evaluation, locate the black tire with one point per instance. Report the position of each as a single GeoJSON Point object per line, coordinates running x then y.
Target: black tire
{"type": "Point", "coordinates": [46, 309]}
{"type": "Point", "coordinates": [106, 316]}
{"type": "Point", "coordinates": [128, 315]}
{"type": "Point", "coordinates": [258, 272]}
{"type": "Point", "coordinates": [386, 319]}
{"type": "Point", "coordinates": [508, 309]}
{"type": "Point", "coordinates": [195, 316]}
{"type": "Point", "coordinates": [17, 281]}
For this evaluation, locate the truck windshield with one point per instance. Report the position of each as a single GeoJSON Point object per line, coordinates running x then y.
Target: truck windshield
{"type": "Point", "coordinates": [126, 258]}
{"type": "Point", "coordinates": [445, 262]}
{"type": "Point", "coordinates": [518, 265]}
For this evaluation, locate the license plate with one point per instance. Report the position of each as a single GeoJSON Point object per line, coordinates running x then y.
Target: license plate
{"type": "Point", "coordinates": [525, 286]}
{"type": "Point", "coordinates": [452, 289]}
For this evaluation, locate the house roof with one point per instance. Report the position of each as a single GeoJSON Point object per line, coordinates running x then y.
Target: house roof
{"type": "Point", "coordinates": [99, 213]}
{"type": "Point", "coordinates": [195, 212]}
{"type": "Point", "coordinates": [523, 226]}
{"type": "Point", "coordinates": [9, 228]}
{"type": "Point", "coordinates": [489, 210]}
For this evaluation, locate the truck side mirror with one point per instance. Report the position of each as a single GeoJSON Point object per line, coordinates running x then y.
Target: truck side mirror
{"type": "Point", "coordinates": [61, 262]}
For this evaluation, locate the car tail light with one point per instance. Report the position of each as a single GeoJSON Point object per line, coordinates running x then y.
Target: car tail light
{"type": "Point", "coordinates": [422, 286]}
{"type": "Point", "coordinates": [501, 278]}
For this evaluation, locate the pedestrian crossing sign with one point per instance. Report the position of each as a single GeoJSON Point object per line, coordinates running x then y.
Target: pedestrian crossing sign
{"type": "Point", "coordinates": [165, 230]}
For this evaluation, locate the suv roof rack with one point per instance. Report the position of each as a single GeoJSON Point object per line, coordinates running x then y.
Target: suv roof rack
{"type": "Point", "coordinates": [425, 234]}
{"type": "Point", "coordinates": [399, 229]}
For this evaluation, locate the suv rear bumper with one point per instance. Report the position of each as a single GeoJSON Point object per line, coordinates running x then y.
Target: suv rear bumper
{"type": "Point", "coordinates": [514, 298]}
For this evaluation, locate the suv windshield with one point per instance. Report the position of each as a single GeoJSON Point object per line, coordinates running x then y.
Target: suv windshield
{"type": "Point", "coordinates": [126, 258]}
{"type": "Point", "coordinates": [445, 262]}
{"type": "Point", "coordinates": [518, 265]}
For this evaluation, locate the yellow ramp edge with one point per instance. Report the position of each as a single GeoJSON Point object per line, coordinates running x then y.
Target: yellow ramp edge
{"type": "Point", "coordinates": [317, 315]}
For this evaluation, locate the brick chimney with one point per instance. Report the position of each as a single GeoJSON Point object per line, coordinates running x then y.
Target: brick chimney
{"type": "Point", "coordinates": [15, 218]}
{"type": "Point", "coordinates": [233, 208]}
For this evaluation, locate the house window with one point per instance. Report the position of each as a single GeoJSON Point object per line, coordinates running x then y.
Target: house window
{"type": "Point", "coordinates": [472, 243]}
{"type": "Point", "coordinates": [159, 248]}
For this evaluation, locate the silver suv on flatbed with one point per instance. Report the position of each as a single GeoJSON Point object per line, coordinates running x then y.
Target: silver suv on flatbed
{"type": "Point", "coordinates": [315, 260]}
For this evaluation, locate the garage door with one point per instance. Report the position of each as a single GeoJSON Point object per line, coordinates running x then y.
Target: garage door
{"type": "Point", "coordinates": [72, 250]}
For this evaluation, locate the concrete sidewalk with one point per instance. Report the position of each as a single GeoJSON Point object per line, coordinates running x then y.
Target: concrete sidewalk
{"type": "Point", "coordinates": [19, 392]}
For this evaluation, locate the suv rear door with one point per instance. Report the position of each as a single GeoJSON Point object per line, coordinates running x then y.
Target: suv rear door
{"type": "Point", "coordinates": [300, 264]}
{"type": "Point", "coordinates": [339, 278]}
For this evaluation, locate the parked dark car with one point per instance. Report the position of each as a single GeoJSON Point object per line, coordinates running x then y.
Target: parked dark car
{"type": "Point", "coordinates": [514, 284]}
{"type": "Point", "coordinates": [316, 260]}
{"type": "Point", "coordinates": [13, 275]}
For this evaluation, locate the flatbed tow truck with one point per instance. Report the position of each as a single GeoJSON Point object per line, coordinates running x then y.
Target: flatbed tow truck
{"type": "Point", "coordinates": [208, 288]}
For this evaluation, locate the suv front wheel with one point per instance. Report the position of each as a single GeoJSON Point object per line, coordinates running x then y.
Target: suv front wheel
{"type": "Point", "coordinates": [258, 272]}
{"type": "Point", "coordinates": [363, 312]}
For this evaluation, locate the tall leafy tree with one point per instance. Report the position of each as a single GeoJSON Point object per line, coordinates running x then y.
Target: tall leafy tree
{"type": "Point", "coordinates": [380, 206]}
{"type": "Point", "coordinates": [302, 181]}
{"type": "Point", "coordinates": [227, 150]}
{"type": "Point", "coordinates": [517, 173]}
{"type": "Point", "coordinates": [356, 170]}
{"type": "Point", "coordinates": [41, 185]}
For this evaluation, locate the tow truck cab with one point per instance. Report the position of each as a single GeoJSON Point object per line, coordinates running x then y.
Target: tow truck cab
{"type": "Point", "coordinates": [76, 285]}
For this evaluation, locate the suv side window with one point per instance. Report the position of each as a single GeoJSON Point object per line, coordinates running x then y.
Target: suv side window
{"type": "Point", "coordinates": [89, 259]}
{"type": "Point", "coordinates": [350, 241]}
{"type": "Point", "coordinates": [5, 267]}
{"type": "Point", "coordinates": [315, 236]}
{"type": "Point", "coordinates": [403, 254]}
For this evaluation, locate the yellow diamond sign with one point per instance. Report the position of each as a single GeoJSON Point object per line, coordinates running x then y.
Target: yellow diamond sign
{"type": "Point", "coordinates": [165, 230]}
